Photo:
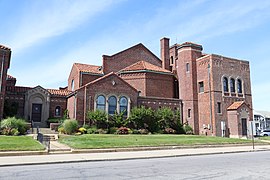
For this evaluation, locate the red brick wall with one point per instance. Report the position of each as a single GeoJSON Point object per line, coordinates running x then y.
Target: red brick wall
{"type": "Point", "coordinates": [137, 80]}
{"type": "Point", "coordinates": [128, 57]}
{"type": "Point", "coordinates": [57, 101]}
{"type": "Point", "coordinates": [156, 102]}
{"type": "Point", "coordinates": [86, 78]}
{"type": "Point", "coordinates": [159, 85]}
{"type": "Point", "coordinates": [105, 87]}
{"type": "Point", "coordinates": [6, 53]}
{"type": "Point", "coordinates": [74, 75]}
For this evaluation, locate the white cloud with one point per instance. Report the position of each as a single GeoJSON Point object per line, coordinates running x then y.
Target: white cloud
{"type": "Point", "coordinates": [39, 23]}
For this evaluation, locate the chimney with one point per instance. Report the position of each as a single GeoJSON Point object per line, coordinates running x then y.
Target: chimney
{"type": "Point", "coordinates": [165, 53]}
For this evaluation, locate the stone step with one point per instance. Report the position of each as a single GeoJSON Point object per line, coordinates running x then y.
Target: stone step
{"type": "Point", "coordinates": [51, 137]}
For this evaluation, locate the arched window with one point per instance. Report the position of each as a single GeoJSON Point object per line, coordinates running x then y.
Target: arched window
{"type": "Point", "coordinates": [232, 85]}
{"type": "Point", "coordinates": [225, 84]}
{"type": "Point", "coordinates": [72, 85]}
{"type": "Point", "coordinates": [239, 86]}
{"type": "Point", "coordinates": [112, 104]}
{"type": "Point", "coordinates": [101, 103]}
{"type": "Point", "coordinates": [57, 111]}
{"type": "Point", "coordinates": [124, 105]}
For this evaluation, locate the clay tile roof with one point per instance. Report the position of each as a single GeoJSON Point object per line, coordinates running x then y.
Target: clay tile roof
{"type": "Point", "coordinates": [235, 105]}
{"type": "Point", "coordinates": [9, 77]}
{"type": "Point", "coordinates": [142, 65]}
{"type": "Point", "coordinates": [59, 92]}
{"type": "Point", "coordinates": [89, 68]}
{"type": "Point", "coordinates": [4, 47]}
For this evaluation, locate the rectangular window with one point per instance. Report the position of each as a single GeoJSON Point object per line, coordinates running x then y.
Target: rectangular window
{"type": "Point", "coordinates": [187, 67]}
{"type": "Point", "coordinates": [219, 107]}
{"type": "Point", "coordinates": [201, 87]}
{"type": "Point", "coordinates": [189, 113]}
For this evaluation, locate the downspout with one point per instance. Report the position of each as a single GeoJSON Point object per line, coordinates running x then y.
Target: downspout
{"type": "Point", "coordinates": [210, 101]}
{"type": "Point", "coordinates": [84, 106]}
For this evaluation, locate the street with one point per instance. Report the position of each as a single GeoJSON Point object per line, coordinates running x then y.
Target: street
{"type": "Point", "coordinates": [252, 165]}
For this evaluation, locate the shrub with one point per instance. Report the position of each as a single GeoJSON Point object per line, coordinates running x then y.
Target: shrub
{"type": "Point", "coordinates": [143, 131]}
{"type": "Point", "coordinates": [117, 120]}
{"type": "Point", "coordinates": [188, 129]}
{"type": "Point", "coordinates": [101, 131]}
{"type": "Point", "coordinates": [113, 130]}
{"type": "Point", "coordinates": [165, 117]}
{"type": "Point", "coordinates": [98, 118]}
{"type": "Point", "coordinates": [92, 130]}
{"type": "Point", "coordinates": [70, 126]}
{"type": "Point", "coordinates": [61, 130]}
{"type": "Point", "coordinates": [144, 118]}
{"type": "Point", "coordinates": [7, 126]}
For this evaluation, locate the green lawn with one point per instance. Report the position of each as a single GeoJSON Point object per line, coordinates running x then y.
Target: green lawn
{"type": "Point", "coordinates": [89, 141]}
{"type": "Point", "coordinates": [19, 143]}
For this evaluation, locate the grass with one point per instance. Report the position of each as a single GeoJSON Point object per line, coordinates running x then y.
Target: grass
{"type": "Point", "coordinates": [265, 138]}
{"type": "Point", "coordinates": [19, 143]}
{"type": "Point", "coordinates": [90, 141]}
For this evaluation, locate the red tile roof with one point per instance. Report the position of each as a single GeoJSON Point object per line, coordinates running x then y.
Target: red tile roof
{"type": "Point", "coordinates": [89, 68]}
{"type": "Point", "coordinates": [59, 92]}
{"type": "Point", "coordinates": [4, 47]}
{"type": "Point", "coordinates": [9, 77]}
{"type": "Point", "coordinates": [235, 105]}
{"type": "Point", "coordinates": [143, 65]}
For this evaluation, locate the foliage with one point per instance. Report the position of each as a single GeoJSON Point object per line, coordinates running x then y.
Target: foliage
{"type": "Point", "coordinates": [14, 126]}
{"type": "Point", "coordinates": [101, 131]}
{"type": "Point", "coordinates": [70, 126]}
{"type": "Point", "coordinates": [66, 114]}
{"type": "Point", "coordinates": [117, 120]}
{"type": "Point", "coordinates": [143, 131]}
{"type": "Point", "coordinates": [113, 130]}
{"type": "Point", "coordinates": [82, 130]}
{"type": "Point", "coordinates": [98, 118]}
{"type": "Point", "coordinates": [123, 130]}
{"type": "Point", "coordinates": [61, 130]}
{"type": "Point", "coordinates": [144, 118]}
{"type": "Point", "coordinates": [188, 129]}
{"type": "Point", "coordinates": [10, 109]}
{"type": "Point", "coordinates": [165, 117]}
{"type": "Point", "coordinates": [92, 130]}
{"type": "Point", "coordinates": [56, 120]}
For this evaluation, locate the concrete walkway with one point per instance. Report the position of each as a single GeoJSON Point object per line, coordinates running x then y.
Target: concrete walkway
{"type": "Point", "coordinates": [105, 156]}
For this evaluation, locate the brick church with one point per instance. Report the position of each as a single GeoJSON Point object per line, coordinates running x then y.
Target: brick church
{"type": "Point", "coordinates": [212, 92]}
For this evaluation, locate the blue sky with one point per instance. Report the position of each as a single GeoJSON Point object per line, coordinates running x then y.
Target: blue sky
{"type": "Point", "coordinates": [47, 37]}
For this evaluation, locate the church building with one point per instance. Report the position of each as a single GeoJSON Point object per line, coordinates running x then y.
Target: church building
{"type": "Point", "coordinates": [212, 92]}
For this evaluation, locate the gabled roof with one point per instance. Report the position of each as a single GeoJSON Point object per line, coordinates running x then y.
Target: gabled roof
{"type": "Point", "coordinates": [59, 92]}
{"type": "Point", "coordinates": [144, 66]}
{"type": "Point", "coordinates": [136, 46]}
{"type": "Point", "coordinates": [235, 105]}
{"type": "Point", "coordinates": [88, 68]}
{"type": "Point", "coordinates": [106, 76]}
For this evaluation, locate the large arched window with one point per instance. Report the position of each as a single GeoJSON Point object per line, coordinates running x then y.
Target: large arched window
{"type": "Point", "coordinates": [124, 105]}
{"type": "Point", "coordinates": [232, 85]}
{"type": "Point", "coordinates": [101, 103]}
{"type": "Point", "coordinates": [225, 84]}
{"type": "Point", "coordinates": [239, 86]}
{"type": "Point", "coordinates": [112, 104]}
{"type": "Point", "coordinates": [57, 111]}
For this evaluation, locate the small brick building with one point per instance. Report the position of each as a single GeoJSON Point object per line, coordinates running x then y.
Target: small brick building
{"type": "Point", "coordinates": [212, 92]}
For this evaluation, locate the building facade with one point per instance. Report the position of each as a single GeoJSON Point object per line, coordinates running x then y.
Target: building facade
{"type": "Point", "coordinates": [212, 92]}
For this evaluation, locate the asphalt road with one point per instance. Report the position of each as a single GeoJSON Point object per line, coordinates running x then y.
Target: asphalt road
{"type": "Point", "coordinates": [252, 165]}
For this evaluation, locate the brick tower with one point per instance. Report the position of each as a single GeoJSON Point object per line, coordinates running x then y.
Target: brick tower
{"type": "Point", "coordinates": [187, 77]}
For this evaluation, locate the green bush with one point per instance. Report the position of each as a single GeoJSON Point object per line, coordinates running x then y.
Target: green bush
{"type": "Point", "coordinates": [165, 117]}
{"type": "Point", "coordinates": [188, 129]}
{"type": "Point", "coordinates": [70, 126]}
{"type": "Point", "coordinates": [117, 120]}
{"type": "Point", "coordinates": [98, 118]}
{"type": "Point", "coordinates": [92, 130]}
{"type": "Point", "coordinates": [113, 130]}
{"type": "Point", "coordinates": [144, 118]}
{"type": "Point", "coordinates": [14, 126]}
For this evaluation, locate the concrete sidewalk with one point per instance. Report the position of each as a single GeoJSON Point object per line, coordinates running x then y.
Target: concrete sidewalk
{"type": "Point", "coordinates": [107, 156]}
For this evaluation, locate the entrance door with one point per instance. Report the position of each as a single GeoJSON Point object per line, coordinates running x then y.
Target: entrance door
{"type": "Point", "coordinates": [36, 112]}
{"type": "Point", "coordinates": [244, 126]}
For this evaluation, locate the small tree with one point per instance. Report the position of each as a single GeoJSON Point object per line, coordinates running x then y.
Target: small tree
{"type": "Point", "coordinates": [117, 120]}
{"type": "Point", "coordinates": [165, 117]}
{"type": "Point", "coordinates": [98, 118]}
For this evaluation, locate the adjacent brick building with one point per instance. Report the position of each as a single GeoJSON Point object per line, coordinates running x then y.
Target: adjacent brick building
{"type": "Point", "coordinates": [212, 92]}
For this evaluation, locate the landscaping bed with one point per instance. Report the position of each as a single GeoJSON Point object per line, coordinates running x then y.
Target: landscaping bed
{"type": "Point", "coordinates": [19, 143]}
{"type": "Point", "coordinates": [95, 141]}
